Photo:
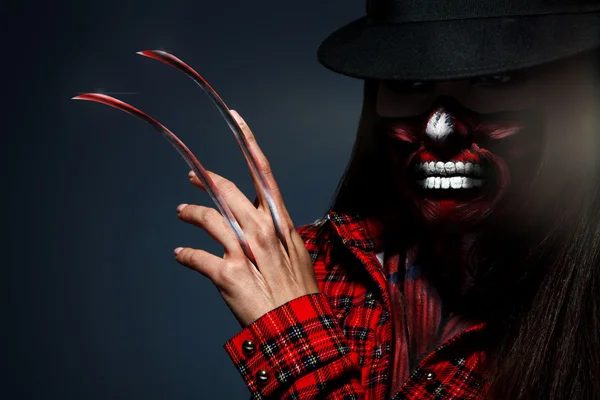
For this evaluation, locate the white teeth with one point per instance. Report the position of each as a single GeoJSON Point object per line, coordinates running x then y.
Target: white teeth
{"type": "Point", "coordinates": [455, 182]}
{"type": "Point", "coordinates": [439, 167]}
{"type": "Point", "coordinates": [467, 183]}
{"type": "Point", "coordinates": [449, 168]}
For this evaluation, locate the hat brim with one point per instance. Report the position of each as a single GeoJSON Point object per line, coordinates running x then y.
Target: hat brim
{"type": "Point", "coordinates": [455, 49]}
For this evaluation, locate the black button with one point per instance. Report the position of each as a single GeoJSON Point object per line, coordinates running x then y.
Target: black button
{"type": "Point", "coordinates": [429, 375]}
{"type": "Point", "coordinates": [248, 347]}
{"type": "Point", "coordinates": [262, 376]}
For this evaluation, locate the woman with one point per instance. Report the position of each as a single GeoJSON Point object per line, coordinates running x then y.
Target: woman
{"type": "Point", "coordinates": [460, 256]}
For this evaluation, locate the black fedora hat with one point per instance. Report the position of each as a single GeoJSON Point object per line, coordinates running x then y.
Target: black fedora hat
{"type": "Point", "coordinates": [453, 39]}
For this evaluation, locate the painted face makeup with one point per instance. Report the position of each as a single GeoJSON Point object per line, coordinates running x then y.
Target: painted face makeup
{"type": "Point", "coordinates": [458, 165]}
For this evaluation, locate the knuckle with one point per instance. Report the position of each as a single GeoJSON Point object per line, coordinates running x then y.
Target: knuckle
{"type": "Point", "coordinates": [227, 186]}
{"type": "Point", "coordinates": [188, 257]}
{"type": "Point", "coordinates": [265, 166]}
{"type": "Point", "coordinates": [208, 215]}
{"type": "Point", "coordinates": [229, 273]}
{"type": "Point", "coordinates": [195, 258]}
{"type": "Point", "coordinates": [243, 125]}
{"type": "Point", "coordinates": [249, 136]}
{"type": "Point", "coordinates": [265, 234]}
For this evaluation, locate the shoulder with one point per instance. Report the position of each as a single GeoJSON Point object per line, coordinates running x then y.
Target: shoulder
{"type": "Point", "coordinates": [315, 235]}
{"type": "Point", "coordinates": [313, 231]}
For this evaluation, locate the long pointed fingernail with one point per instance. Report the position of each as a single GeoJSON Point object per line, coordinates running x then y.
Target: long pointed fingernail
{"type": "Point", "coordinates": [191, 174]}
{"type": "Point", "coordinates": [177, 250]}
{"type": "Point", "coordinates": [181, 207]}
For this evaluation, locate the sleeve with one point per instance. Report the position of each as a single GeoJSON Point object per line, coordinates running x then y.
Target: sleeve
{"type": "Point", "coordinates": [297, 351]}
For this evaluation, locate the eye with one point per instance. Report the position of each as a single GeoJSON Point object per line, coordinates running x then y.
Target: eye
{"type": "Point", "coordinates": [408, 87]}
{"type": "Point", "coordinates": [494, 80]}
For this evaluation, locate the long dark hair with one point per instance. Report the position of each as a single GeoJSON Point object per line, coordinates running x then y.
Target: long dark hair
{"type": "Point", "coordinates": [540, 289]}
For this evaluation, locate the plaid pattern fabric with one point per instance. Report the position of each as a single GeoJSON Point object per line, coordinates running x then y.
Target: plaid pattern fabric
{"type": "Point", "coordinates": [337, 344]}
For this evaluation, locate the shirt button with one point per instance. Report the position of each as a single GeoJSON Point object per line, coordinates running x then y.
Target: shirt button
{"type": "Point", "coordinates": [429, 375]}
{"type": "Point", "coordinates": [262, 376]}
{"type": "Point", "coordinates": [248, 347]}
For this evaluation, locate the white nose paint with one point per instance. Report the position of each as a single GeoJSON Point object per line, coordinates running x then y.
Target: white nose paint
{"type": "Point", "coordinates": [440, 126]}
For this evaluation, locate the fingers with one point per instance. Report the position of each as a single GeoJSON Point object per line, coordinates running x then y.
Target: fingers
{"type": "Point", "coordinates": [213, 223]}
{"type": "Point", "coordinates": [199, 260]}
{"type": "Point", "coordinates": [256, 157]}
{"type": "Point", "coordinates": [258, 227]}
{"type": "Point", "coordinates": [196, 182]}
{"type": "Point", "coordinates": [260, 161]}
{"type": "Point", "coordinates": [281, 218]}
{"type": "Point", "coordinates": [242, 208]}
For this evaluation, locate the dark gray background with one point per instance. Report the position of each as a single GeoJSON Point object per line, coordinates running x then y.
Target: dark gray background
{"type": "Point", "coordinates": [97, 306]}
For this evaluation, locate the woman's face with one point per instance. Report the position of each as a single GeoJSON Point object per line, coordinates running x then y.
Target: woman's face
{"type": "Point", "coordinates": [463, 151]}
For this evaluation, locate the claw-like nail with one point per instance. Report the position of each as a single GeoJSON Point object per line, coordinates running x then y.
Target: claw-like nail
{"type": "Point", "coordinates": [176, 63]}
{"type": "Point", "coordinates": [187, 155]}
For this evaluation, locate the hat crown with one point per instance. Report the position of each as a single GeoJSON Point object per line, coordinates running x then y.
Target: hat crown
{"type": "Point", "coordinates": [398, 11]}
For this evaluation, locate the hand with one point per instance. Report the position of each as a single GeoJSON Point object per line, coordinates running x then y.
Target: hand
{"type": "Point", "coordinates": [250, 290]}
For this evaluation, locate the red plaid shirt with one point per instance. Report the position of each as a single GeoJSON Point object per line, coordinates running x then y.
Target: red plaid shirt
{"type": "Point", "coordinates": [337, 344]}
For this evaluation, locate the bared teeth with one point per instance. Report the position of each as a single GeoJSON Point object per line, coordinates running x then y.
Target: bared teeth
{"type": "Point", "coordinates": [430, 182]}
{"type": "Point", "coordinates": [440, 168]}
{"type": "Point", "coordinates": [450, 168]}
{"type": "Point", "coordinates": [468, 168]}
{"type": "Point", "coordinates": [445, 183]}
{"type": "Point", "coordinates": [455, 182]}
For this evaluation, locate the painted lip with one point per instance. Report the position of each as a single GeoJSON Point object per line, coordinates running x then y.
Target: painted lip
{"type": "Point", "coordinates": [464, 156]}
{"type": "Point", "coordinates": [466, 175]}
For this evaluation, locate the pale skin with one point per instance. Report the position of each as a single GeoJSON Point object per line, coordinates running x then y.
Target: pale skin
{"type": "Point", "coordinates": [249, 291]}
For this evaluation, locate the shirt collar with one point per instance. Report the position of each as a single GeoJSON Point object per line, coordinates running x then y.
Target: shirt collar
{"type": "Point", "coordinates": [355, 230]}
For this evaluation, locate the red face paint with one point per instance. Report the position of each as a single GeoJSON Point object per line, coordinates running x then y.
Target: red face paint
{"type": "Point", "coordinates": [459, 165]}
